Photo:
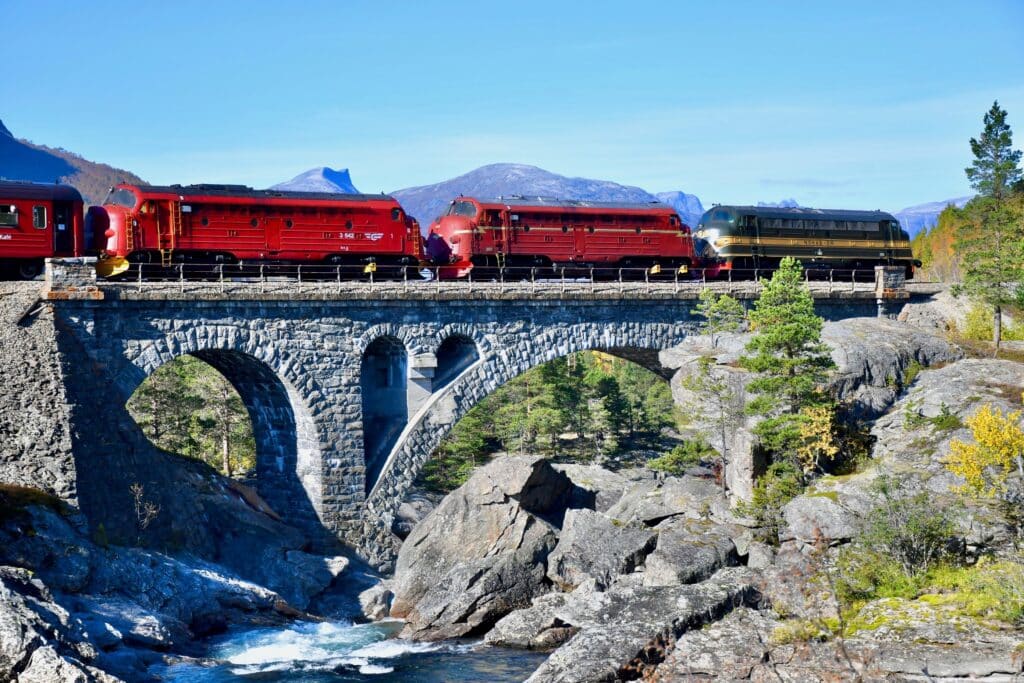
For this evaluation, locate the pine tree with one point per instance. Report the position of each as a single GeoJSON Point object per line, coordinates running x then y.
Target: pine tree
{"type": "Point", "coordinates": [788, 356]}
{"type": "Point", "coordinates": [721, 313]}
{"type": "Point", "coordinates": [995, 168]}
{"type": "Point", "coordinates": [991, 244]}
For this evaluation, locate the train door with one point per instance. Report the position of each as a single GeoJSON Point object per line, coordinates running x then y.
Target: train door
{"type": "Point", "coordinates": [63, 229]}
{"type": "Point", "coordinates": [272, 226]}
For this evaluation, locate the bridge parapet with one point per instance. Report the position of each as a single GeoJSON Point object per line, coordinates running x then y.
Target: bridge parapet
{"type": "Point", "coordinates": [75, 279]}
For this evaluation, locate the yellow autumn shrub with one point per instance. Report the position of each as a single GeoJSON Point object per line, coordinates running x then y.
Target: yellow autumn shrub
{"type": "Point", "coordinates": [996, 451]}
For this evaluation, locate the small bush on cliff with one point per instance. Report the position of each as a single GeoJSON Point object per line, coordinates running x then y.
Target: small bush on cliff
{"type": "Point", "coordinates": [682, 457]}
{"type": "Point", "coordinates": [779, 485]}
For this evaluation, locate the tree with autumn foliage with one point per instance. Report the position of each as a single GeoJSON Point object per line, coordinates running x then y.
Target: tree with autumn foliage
{"type": "Point", "coordinates": [991, 243]}
{"type": "Point", "coordinates": [997, 451]}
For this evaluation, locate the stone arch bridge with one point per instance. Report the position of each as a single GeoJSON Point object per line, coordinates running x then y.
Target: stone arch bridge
{"type": "Point", "coordinates": [350, 389]}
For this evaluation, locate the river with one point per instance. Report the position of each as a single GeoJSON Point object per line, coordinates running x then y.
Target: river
{"type": "Point", "coordinates": [342, 651]}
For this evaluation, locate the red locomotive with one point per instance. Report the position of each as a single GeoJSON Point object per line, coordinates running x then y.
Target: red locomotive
{"type": "Point", "coordinates": [37, 221]}
{"type": "Point", "coordinates": [538, 231]}
{"type": "Point", "coordinates": [234, 223]}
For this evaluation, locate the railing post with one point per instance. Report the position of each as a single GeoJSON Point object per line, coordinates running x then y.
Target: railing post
{"type": "Point", "coordinates": [620, 280]}
{"type": "Point", "coordinates": [501, 278]}
{"type": "Point", "coordinates": [299, 273]}
{"type": "Point", "coordinates": [831, 271]}
{"type": "Point", "coordinates": [853, 280]}
{"type": "Point", "coordinates": [563, 279]}
{"type": "Point", "coordinates": [405, 278]}
{"type": "Point", "coordinates": [263, 277]}
{"type": "Point", "coordinates": [221, 268]}
{"type": "Point", "coordinates": [592, 283]}
{"type": "Point", "coordinates": [181, 278]}
{"type": "Point", "coordinates": [337, 276]}
{"type": "Point", "coordinates": [470, 280]}
{"type": "Point", "coordinates": [533, 279]}
{"type": "Point", "coordinates": [139, 278]}
{"type": "Point", "coordinates": [437, 278]}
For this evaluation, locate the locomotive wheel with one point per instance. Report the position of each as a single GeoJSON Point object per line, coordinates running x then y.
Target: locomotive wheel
{"type": "Point", "coordinates": [29, 270]}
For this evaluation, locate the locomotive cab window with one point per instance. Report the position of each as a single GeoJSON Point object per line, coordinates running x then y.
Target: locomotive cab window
{"type": "Point", "coordinates": [39, 217]}
{"type": "Point", "coordinates": [124, 198]}
{"type": "Point", "coordinates": [8, 216]}
{"type": "Point", "coordinates": [463, 209]}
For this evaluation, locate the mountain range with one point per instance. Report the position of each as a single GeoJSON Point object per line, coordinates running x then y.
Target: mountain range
{"type": "Point", "coordinates": [426, 202]}
{"type": "Point", "coordinates": [23, 160]}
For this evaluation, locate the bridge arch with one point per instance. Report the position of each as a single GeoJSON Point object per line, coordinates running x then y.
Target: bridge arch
{"type": "Point", "coordinates": [451, 402]}
{"type": "Point", "coordinates": [288, 445]}
{"type": "Point", "coordinates": [383, 384]}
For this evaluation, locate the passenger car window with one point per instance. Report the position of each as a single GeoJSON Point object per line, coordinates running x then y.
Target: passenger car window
{"type": "Point", "coordinates": [39, 217]}
{"type": "Point", "coordinates": [8, 216]}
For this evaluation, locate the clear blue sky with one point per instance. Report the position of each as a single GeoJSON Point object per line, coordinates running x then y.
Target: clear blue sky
{"type": "Point", "coordinates": [842, 104]}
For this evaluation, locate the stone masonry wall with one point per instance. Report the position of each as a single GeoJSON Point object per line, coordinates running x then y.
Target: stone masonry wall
{"type": "Point", "coordinates": [35, 425]}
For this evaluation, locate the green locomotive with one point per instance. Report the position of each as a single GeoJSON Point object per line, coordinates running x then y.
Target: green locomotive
{"type": "Point", "coordinates": [747, 238]}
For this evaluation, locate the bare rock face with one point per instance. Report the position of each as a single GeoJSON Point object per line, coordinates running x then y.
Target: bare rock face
{"type": "Point", "coordinates": [482, 552]}
{"type": "Point", "coordinates": [687, 552]}
{"type": "Point", "coordinates": [623, 629]}
{"type": "Point", "coordinates": [592, 546]}
{"type": "Point", "coordinates": [873, 356]}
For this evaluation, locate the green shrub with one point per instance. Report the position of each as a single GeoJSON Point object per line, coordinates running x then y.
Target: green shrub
{"type": "Point", "coordinates": [910, 529]}
{"type": "Point", "coordinates": [779, 485]}
{"type": "Point", "coordinates": [682, 457]}
{"type": "Point", "coordinates": [979, 326]}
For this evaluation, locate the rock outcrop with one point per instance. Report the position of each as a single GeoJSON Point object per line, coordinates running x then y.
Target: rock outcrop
{"type": "Point", "coordinates": [875, 358]}
{"type": "Point", "coordinates": [482, 552]}
{"type": "Point", "coordinates": [72, 609]}
{"type": "Point", "coordinates": [911, 440]}
{"type": "Point", "coordinates": [592, 546]}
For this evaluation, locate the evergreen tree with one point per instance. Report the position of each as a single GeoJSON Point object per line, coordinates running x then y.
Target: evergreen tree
{"type": "Point", "coordinates": [991, 244]}
{"type": "Point", "coordinates": [788, 356]}
{"type": "Point", "coordinates": [995, 169]}
{"type": "Point", "coordinates": [721, 313]}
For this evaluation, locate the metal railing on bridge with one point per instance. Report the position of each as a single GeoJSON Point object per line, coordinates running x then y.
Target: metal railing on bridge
{"type": "Point", "coordinates": [270, 277]}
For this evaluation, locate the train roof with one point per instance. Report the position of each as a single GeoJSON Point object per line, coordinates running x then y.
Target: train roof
{"type": "Point", "coordinates": [807, 212]}
{"type": "Point", "coordinates": [554, 202]}
{"type": "Point", "coordinates": [18, 189]}
{"type": "Point", "coordinates": [245, 192]}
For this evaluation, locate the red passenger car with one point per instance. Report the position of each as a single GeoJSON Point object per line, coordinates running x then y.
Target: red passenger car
{"type": "Point", "coordinates": [234, 223]}
{"type": "Point", "coordinates": [37, 221]}
{"type": "Point", "coordinates": [538, 231]}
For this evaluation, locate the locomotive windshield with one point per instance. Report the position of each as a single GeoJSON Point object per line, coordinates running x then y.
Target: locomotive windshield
{"type": "Point", "coordinates": [124, 198]}
{"type": "Point", "coordinates": [462, 209]}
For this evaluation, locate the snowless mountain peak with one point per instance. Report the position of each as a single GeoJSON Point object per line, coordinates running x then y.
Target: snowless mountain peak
{"type": "Point", "coordinates": [321, 179]}
{"type": "Point", "coordinates": [426, 202]}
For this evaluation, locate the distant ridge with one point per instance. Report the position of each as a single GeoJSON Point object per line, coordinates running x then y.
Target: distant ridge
{"type": "Point", "coordinates": [920, 217]}
{"type": "Point", "coordinates": [322, 179]}
{"type": "Point", "coordinates": [426, 202]}
{"type": "Point", "coordinates": [23, 160]}
{"type": "Point", "coordinates": [782, 204]}
{"type": "Point", "coordinates": [688, 205]}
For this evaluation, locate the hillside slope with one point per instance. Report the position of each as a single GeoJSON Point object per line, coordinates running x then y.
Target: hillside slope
{"type": "Point", "coordinates": [23, 160]}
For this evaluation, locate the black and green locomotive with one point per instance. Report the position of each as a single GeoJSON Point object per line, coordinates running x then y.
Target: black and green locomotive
{"type": "Point", "coordinates": [748, 238]}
